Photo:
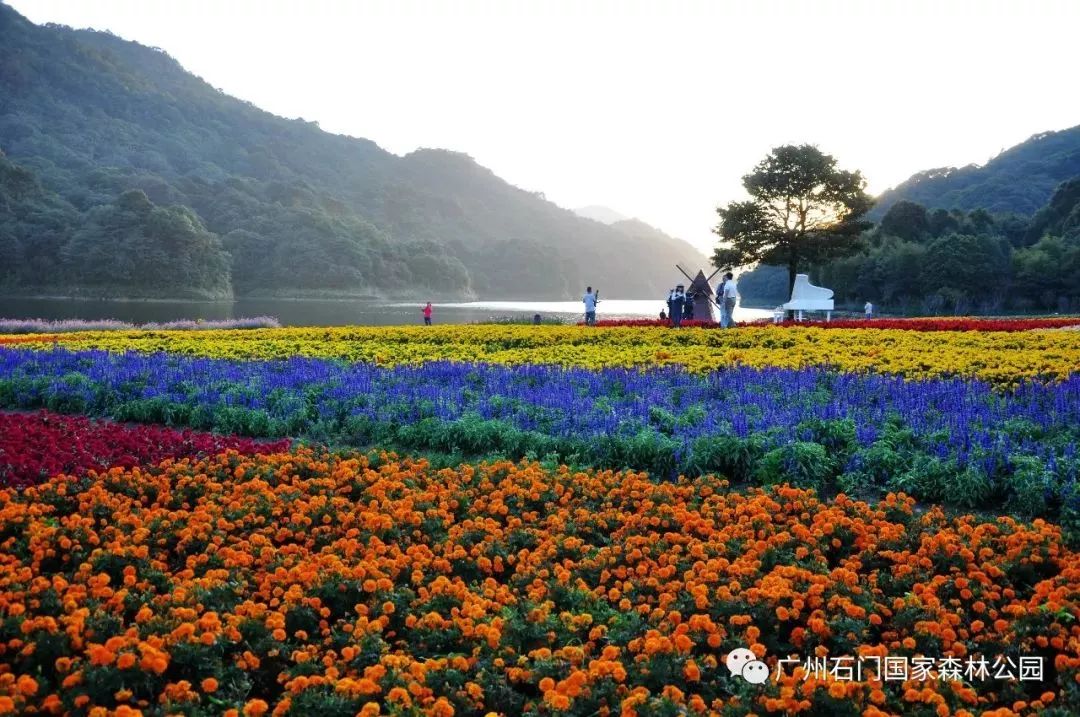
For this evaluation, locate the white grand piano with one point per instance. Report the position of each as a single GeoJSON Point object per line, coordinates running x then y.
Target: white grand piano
{"type": "Point", "coordinates": [807, 297]}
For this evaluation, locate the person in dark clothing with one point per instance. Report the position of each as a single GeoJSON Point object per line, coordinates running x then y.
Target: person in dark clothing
{"type": "Point", "coordinates": [678, 302]}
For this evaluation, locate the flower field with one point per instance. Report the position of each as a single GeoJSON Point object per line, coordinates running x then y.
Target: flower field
{"type": "Point", "coordinates": [957, 442]}
{"type": "Point", "coordinates": [592, 521]}
{"type": "Point", "coordinates": [1004, 358]}
{"type": "Point", "coordinates": [35, 446]}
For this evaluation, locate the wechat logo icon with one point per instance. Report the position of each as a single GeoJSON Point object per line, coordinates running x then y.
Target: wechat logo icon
{"type": "Point", "coordinates": [745, 664]}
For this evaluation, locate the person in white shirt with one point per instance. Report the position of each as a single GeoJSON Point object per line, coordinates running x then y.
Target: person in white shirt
{"type": "Point", "coordinates": [590, 306]}
{"type": "Point", "coordinates": [731, 297]}
{"type": "Point", "coordinates": [869, 309]}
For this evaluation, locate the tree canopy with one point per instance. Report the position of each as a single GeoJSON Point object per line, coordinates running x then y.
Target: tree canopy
{"type": "Point", "coordinates": [922, 261]}
{"type": "Point", "coordinates": [802, 210]}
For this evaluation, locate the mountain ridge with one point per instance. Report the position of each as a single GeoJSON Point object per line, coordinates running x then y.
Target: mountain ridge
{"type": "Point", "coordinates": [1020, 179]}
{"type": "Point", "coordinates": [600, 213]}
{"type": "Point", "coordinates": [298, 210]}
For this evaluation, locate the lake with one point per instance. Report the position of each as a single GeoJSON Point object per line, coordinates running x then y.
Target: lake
{"type": "Point", "coordinates": [333, 313]}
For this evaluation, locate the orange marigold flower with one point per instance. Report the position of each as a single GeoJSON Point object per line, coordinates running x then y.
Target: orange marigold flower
{"type": "Point", "coordinates": [691, 671]}
{"type": "Point", "coordinates": [557, 700]}
{"type": "Point", "coordinates": [255, 708]}
{"type": "Point", "coordinates": [26, 685]}
{"type": "Point", "coordinates": [442, 708]}
{"type": "Point", "coordinates": [101, 655]}
{"type": "Point", "coordinates": [399, 694]}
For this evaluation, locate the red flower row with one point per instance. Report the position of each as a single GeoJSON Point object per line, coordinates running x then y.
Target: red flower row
{"type": "Point", "coordinates": [35, 338]}
{"type": "Point", "coordinates": [35, 446]}
{"type": "Point", "coordinates": [918, 324]}
{"type": "Point", "coordinates": [944, 324]}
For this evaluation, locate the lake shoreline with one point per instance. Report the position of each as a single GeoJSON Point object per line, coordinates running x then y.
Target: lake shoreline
{"type": "Point", "coordinates": [445, 301]}
{"type": "Point", "coordinates": [338, 311]}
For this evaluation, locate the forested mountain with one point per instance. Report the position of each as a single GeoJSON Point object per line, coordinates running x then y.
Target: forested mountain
{"type": "Point", "coordinates": [127, 162]}
{"type": "Point", "coordinates": [1002, 237]}
{"type": "Point", "coordinates": [918, 260]}
{"type": "Point", "coordinates": [1020, 179]}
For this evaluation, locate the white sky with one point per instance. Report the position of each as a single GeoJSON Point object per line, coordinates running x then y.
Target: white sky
{"type": "Point", "coordinates": [655, 109]}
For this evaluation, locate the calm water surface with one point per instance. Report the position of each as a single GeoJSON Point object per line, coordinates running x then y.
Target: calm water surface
{"type": "Point", "coordinates": [333, 313]}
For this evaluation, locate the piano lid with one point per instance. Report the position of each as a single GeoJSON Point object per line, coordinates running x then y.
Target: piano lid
{"type": "Point", "coordinates": [805, 296]}
{"type": "Point", "coordinates": [803, 289]}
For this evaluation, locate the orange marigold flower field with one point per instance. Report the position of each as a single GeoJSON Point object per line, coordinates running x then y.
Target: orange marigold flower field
{"type": "Point", "coordinates": [311, 583]}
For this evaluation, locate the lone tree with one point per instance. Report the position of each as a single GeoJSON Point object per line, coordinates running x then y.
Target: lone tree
{"type": "Point", "coordinates": [802, 210]}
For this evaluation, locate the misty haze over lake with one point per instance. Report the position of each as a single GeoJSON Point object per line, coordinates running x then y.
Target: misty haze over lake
{"type": "Point", "coordinates": [332, 313]}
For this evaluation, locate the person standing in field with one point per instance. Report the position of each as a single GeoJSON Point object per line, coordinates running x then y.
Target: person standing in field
{"type": "Point", "coordinates": [869, 310]}
{"type": "Point", "coordinates": [590, 306]}
{"type": "Point", "coordinates": [731, 297]}
{"type": "Point", "coordinates": [678, 300]}
{"type": "Point", "coordinates": [720, 302]}
{"type": "Point", "coordinates": [427, 314]}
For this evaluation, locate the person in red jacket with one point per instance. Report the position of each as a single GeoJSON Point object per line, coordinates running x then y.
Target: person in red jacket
{"type": "Point", "coordinates": [427, 314]}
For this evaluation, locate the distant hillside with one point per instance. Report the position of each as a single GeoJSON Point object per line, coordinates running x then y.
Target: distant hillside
{"type": "Point", "coordinates": [604, 215]}
{"type": "Point", "coordinates": [1020, 179]}
{"type": "Point", "coordinates": [638, 230]}
{"type": "Point", "coordinates": [292, 210]}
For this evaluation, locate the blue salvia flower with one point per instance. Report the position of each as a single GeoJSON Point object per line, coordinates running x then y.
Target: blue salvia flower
{"type": "Point", "coordinates": [960, 420]}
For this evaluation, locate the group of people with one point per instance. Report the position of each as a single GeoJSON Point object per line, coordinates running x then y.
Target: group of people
{"type": "Point", "coordinates": [680, 303]}
{"type": "Point", "coordinates": [680, 306]}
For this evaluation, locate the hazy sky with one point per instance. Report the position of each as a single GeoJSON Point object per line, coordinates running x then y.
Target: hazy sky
{"type": "Point", "coordinates": [655, 109]}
